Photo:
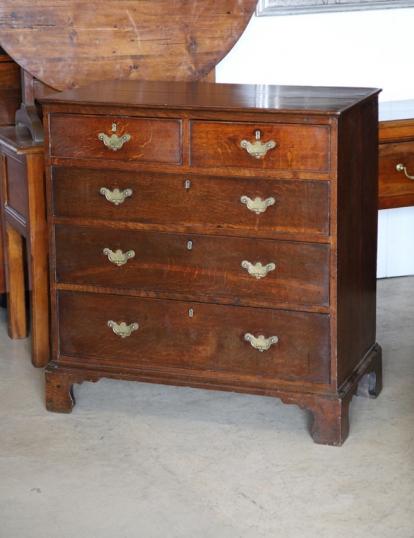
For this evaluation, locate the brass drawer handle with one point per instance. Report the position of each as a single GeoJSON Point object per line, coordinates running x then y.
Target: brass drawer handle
{"type": "Point", "coordinates": [401, 168]}
{"type": "Point", "coordinates": [116, 196]}
{"type": "Point", "coordinates": [258, 270]}
{"type": "Point", "coordinates": [122, 329]}
{"type": "Point", "coordinates": [257, 149]}
{"type": "Point", "coordinates": [260, 342]}
{"type": "Point", "coordinates": [258, 205]}
{"type": "Point", "coordinates": [118, 257]}
{"type": "Point", "coordinates": [114, 142]}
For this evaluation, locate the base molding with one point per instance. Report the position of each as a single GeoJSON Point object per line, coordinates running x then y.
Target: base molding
{"type": "Point", "coordinates": [330, 412]}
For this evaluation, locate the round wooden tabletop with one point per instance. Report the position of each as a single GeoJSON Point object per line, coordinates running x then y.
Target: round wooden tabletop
{"type": "Point", "coordinates": [68, 43]}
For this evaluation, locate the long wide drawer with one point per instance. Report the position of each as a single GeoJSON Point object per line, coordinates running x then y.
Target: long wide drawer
{"type": "Point", "coordinates": [247, 271]}
{"type": "Point", "coordinates": [264, 146]}
{"type": "Point", "coordinates": [100, 329]}
{"type": "Point", "coordinates": [235, 205]}
{"type": "Point", "coordinates": [116, 138]}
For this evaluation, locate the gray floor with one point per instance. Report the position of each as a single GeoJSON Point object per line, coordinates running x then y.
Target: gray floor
{"type": "Point", "coordinates": [148, 461]}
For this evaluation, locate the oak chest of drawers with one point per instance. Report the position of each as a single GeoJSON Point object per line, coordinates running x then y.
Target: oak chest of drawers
{"type": "Point", "coordinates": [215, 236]}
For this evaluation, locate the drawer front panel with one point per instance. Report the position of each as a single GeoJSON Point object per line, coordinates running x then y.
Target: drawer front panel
{"type": "Point", "coordinates": [297, 206]}
{"type": "Point", "coordinates": [211, 339]}
{"type": "Point", "coordinates": [194, 265]}
{"type": "Point", "coordinates": [395, 188]}
{"type": "Point", "coordinates": [151, 140]}
{"type": "Point", "coordinates": [298, 147]}
{"type": "Point", "coordinates": [15, 184]}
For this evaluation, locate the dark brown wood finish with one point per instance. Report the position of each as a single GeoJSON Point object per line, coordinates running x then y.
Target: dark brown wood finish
{"type": "Point", "coordinates": [396, 137]}
{"type": "Point", "coordinates": [9, 89]}
{"type": "Point", "coordinates": [148, 136]}
{"type": "Point", "coordinates": [396, 183]}
{"type": "Point", "coordinates": [193, 202]}
{"type": "Point", "coordinates": [209, 268]}
{"type": "Point", "coordinates": [9, 103]}
{"type": "Point", "coordinates": [2, 266]}
{"type": "Point", "coordinates": [357, 218]}
{"type": "Point", "coordinates": [298, 147]}
{"type": "Point", "coordinates": [223, 98]}
{"type": "Point", "coordinates": [210, 340]}
{"type": "Point", "coordinates": [23, 211]}
{"type": "Point", "coordinates": [194, 302]}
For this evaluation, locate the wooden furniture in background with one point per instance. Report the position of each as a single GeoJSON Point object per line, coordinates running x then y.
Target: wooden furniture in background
{"type": "Point", "coordinates": [126, 39]}
{"type": "Point", "coordinates": [215, 236]}
{"type": "Point", "coordinates": [69, 44]}
{"type": "Point", "coordinates": [24, 216]}
{"type": "Point", "coordinates": [396, 154]}
{"type": "Point", "coordinates": [10, 96]}
{"type": "Point", "coordinates": [9, 102]}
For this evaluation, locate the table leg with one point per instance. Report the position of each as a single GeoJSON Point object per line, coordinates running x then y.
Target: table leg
{"type": "Point", "coordinates": [16, 306]}
{"type": "Point", "coordinates": [38, 262]}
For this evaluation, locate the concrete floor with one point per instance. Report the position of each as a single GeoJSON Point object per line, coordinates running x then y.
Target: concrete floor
{"type": "Point", "coordinates": [147, 461]}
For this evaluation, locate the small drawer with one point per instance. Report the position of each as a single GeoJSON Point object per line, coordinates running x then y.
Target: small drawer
{"type": "Point", "coordinates": [256, 272]}
{"type": "Point", "coordinates": [99, 330]}
{"type": "Point", "coordinates": [396, 175]}
{"type": "Point", "coordinates": [265, 146]}
{"type": "Point", "coordinates": [240, 206]}
{"type": "Point", "coordinates": [116, 138]}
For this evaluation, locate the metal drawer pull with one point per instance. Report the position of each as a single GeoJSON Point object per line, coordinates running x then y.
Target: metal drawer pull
{"type": "Point", "coordinates": [114, 142]}
{"type": "Point", "coordinates": [116, 196]}
{"type": "Point", "coordinates": [257, 149]}
{"type": "Point", "coordinates": [401, 168]}
{"type": "Point", "coordinates": [258, 270]}
{"type": "Point", "coordinates": [258, 205]}
{"type": "Point", "coordinates": [118, 257]}
{"type": "Point", "coordinates": [122, 329]}
{"type": "Point", "coordinates": [260, 342]}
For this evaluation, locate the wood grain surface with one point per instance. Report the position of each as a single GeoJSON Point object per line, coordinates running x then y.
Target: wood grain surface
{"type": "Point", "coordinates": [162, 95]}
{"type": "Point", "coordinates": [152, 140]}
{"type": "Point", "coordinates": [9, 103]}
{"type": "Point", "coordinates": [206, 268]}
{"type": "Point", "coordinates": [395, 188]}
{"type": "Point", "coordinates": [195, 303]}
{"type": "Point", "coordinates": [194, 202]}
{"type": "Point", "coordinates": [211, 340]}
{"type": "Point", "coordinates": [67, 43]}
{"type": "Point", "coordinates": [24, 215]}
{"type": "Point", "coordinates": [9, 89]}
{"type": "Point", "coordinates": [298, 147]}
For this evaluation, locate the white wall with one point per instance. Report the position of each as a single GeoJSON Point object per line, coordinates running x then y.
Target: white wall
{"type": "Point", "coordinates": [361, 48]}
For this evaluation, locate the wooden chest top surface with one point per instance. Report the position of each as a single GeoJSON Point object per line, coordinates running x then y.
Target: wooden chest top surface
{"type": "Point", "coordinates": [215, 96]}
